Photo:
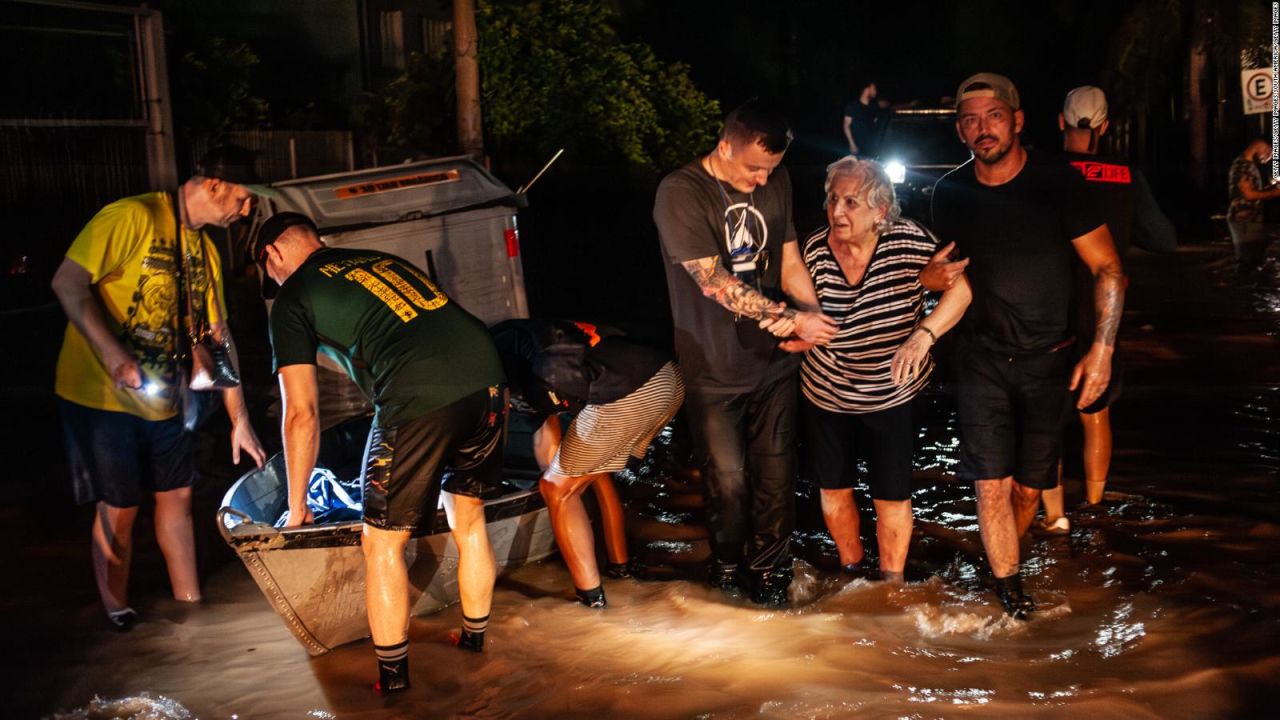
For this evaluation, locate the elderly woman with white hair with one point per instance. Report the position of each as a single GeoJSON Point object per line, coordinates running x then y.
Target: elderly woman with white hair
{"type": "Point", "coordinates": [858, 389]}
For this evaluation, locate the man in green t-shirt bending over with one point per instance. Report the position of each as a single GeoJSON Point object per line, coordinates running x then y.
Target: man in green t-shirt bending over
{"type": "Point", "coordinates": [436, 384]}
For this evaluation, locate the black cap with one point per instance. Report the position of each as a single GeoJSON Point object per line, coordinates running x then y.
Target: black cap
{"type": "Point", "coordinates": [233, 164]}
{"type": "Point", "coordinates": [269, 232]}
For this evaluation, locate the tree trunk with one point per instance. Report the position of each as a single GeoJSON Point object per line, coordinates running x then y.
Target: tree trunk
{"type": "Point", "coordinates": [467, 74]}
{"type": "Point", "coordinates": [1198, 112]}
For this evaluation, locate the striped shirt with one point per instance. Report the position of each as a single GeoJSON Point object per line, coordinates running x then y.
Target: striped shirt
{"type": "Point", "coordinates": [852, 373]}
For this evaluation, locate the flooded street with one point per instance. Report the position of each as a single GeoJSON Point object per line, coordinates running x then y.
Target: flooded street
{"type": "Point", "coordinates": [1165, 605]}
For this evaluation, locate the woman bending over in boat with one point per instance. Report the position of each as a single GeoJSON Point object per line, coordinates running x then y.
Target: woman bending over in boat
{"type": "Point", "coordinates": [622, 392]}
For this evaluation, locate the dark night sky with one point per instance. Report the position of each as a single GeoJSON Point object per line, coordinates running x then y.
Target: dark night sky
{"type": "Point", "coordinates": [805, 53]}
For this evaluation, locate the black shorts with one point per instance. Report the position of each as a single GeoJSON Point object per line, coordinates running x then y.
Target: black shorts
{"type": "Point", "coordinates": [457, 448]}
{"type": "Point", "coordinates": [835, 441]}
{"type": "Point", "coordinates": [1012, 411]}
{"type": "Point", "coordinates": [116, 457]}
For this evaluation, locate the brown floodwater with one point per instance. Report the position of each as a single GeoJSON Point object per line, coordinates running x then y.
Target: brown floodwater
{"type": "Point", "coordinates": [1163, 606]}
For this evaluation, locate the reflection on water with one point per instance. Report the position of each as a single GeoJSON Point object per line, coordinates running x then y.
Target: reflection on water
{"type": "Point", "coordinates": [141, 707]}
{"type": "Point", "coordinates": [1163, 605]}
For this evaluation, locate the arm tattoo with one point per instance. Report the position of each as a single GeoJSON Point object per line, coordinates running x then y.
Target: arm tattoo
{"type": "Point", "coordinates": [734, 295]}
{"type": "Point", "coordinates": [1108, 299]}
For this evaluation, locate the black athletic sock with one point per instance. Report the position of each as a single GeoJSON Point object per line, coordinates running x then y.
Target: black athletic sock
{"type": "Point", "coordinates": [472, 636]}
{"type": "Point", "coordinates": [393, 666]}
{"type": "Point", "coordinates": [593, 598]}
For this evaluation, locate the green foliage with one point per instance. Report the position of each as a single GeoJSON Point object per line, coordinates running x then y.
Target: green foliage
{"type": "Point", "coordinates": [415, 113]}
{"type": "Point", "coordinates": [553, 74]}
{"type": "Point", "coordinates": [214, 89]}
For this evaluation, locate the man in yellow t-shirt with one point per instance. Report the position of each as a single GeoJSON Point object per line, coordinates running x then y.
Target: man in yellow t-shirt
{"type": "Point", "coordinates": [117, 376]}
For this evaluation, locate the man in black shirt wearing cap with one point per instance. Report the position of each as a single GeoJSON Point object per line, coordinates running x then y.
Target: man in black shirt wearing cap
{"type": "Point", "coordinates": [435, 380]}
{"type": "Point", "coordinates": [1022, 220]}
{"type": "Point", "coordinates": [1122, 193]}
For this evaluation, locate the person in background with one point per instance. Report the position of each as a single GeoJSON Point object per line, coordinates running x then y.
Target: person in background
{"type": "Point", "coordinates": [862, 120]}
{"type": "Point", "coordinates": [857, 389]}
{"type": "Point", "coordinates": [1245, 220]}
{"type": "Point", "coordinates": [622, 394]}
{"type": "Point", "coordinates": [118, 376]}
{"type": "Point", "coordinates": [1132, 216]}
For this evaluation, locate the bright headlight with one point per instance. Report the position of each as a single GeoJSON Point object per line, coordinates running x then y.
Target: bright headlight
{"type": "Point", "coordinates": [896, 171]}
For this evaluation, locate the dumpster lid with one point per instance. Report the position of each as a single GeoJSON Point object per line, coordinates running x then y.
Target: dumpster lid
{"type": "Point", "coordinates": [393, 193]}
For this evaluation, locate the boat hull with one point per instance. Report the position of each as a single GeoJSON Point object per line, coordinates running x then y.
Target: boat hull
{"type": "Point", "coordinates": [314, 576]}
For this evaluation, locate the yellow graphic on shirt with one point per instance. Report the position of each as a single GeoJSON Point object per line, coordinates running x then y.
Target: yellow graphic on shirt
{"type": "Point", "coordinates": [130, 250]}
{"type": "Point", "coordinates": [384, 270]}
{"type": "Point", "coordinates": [336, 267]}
{"type": "Point", "coordinates": [380, 290]}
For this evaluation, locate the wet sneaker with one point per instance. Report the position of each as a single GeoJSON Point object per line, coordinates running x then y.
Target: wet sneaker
{"type": "Point", "coordinates": [465, 640]}
{"type": "Point", "coordinates": [1088, 509]}
{"type": "Point", "coordinates": [392, 676]}
{"type": "Point", "coordinates": [771, 588]}
{"type": "Point", "coordinates": [861, 570]}
{"type": "Point", "coordinates": [1061, 526]}
{"type": "Point", "coordinates": [593, 598]}
{"type": "Point", "coordinates": [122, 620]}
{"type": "Point", "coordinates": [618, 571]}
{"type": "Point", "coordinates": [1016, 602]}
{"type": "Point", "coordinates": [725, 577]}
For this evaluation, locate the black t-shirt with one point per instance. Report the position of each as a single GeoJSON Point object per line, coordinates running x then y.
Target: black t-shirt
{"type": "Point", "coordinates": [401, 339]}
{"type": "Point", "coordinates": [1018, 239]}
{"type": "Point", "coordinates": [557, 365]}
{"type": "Point", "coordinates": [698, 217]}
{"type": "Point", "coordinates": [1122, 193]}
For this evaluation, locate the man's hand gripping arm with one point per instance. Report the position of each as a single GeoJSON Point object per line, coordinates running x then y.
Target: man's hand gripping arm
{"type": "Point", "coordinates": [720, 285]}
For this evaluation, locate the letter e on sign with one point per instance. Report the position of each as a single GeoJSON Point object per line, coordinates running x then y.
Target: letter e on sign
{"type": "Point", "coordinates": [1255, 86]}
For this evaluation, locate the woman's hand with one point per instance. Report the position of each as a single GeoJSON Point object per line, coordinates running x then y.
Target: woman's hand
{"type": "Point", "coordinates": [911, 357]}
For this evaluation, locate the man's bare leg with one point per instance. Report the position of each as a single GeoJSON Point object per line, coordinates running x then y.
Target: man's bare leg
{"type": "Point", "coordinates": [893, 531]}
{"type": "Point", "coordinates": [1097, 453]}
{"type": "Point", "coordinates": [841, 515]}
{"type": "Point", "coordinates": [1024, 500]}
{"type": "Point", "coordinates": [1052, 499]}
{"type": "Point", "coordinates": [386, 584]}
{"type": "Point", "coordinates": [572, 527]}
{"type": "Point", "coordinates": [177, 541]}
{"type": "Point", "coordinates": [477, 568]}
{"type": "Point", "coordinates": [112, 545]}
{"type": "Point", "coordinates": [387, 603]}
{"type": "Point", "coordinates": [997, 526]}
{"type": "Point", "coordinates": [612, 517]}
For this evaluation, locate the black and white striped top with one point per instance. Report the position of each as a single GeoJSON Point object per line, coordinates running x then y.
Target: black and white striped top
{"type": "Point", "coordinates": [851, 374]}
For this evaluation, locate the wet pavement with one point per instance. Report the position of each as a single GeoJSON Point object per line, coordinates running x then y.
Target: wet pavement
{"type": "Point", "coordinates": [1163, 605]}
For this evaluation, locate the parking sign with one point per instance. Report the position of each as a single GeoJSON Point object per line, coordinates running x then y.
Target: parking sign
{"type": "Point", "coordinates": [1256, 87]}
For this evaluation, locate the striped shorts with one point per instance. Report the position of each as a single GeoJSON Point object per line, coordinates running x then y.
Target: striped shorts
{"type": "Point", "coordinates": [602, 437]}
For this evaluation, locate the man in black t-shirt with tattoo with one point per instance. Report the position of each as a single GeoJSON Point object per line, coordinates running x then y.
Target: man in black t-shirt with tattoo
{"type": "Point", "coordinates": [724, 221]}
{"type": "Point", "coordinates": [1021, 220]}
{"type": "Point", "coordinates": [1123, 195]}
